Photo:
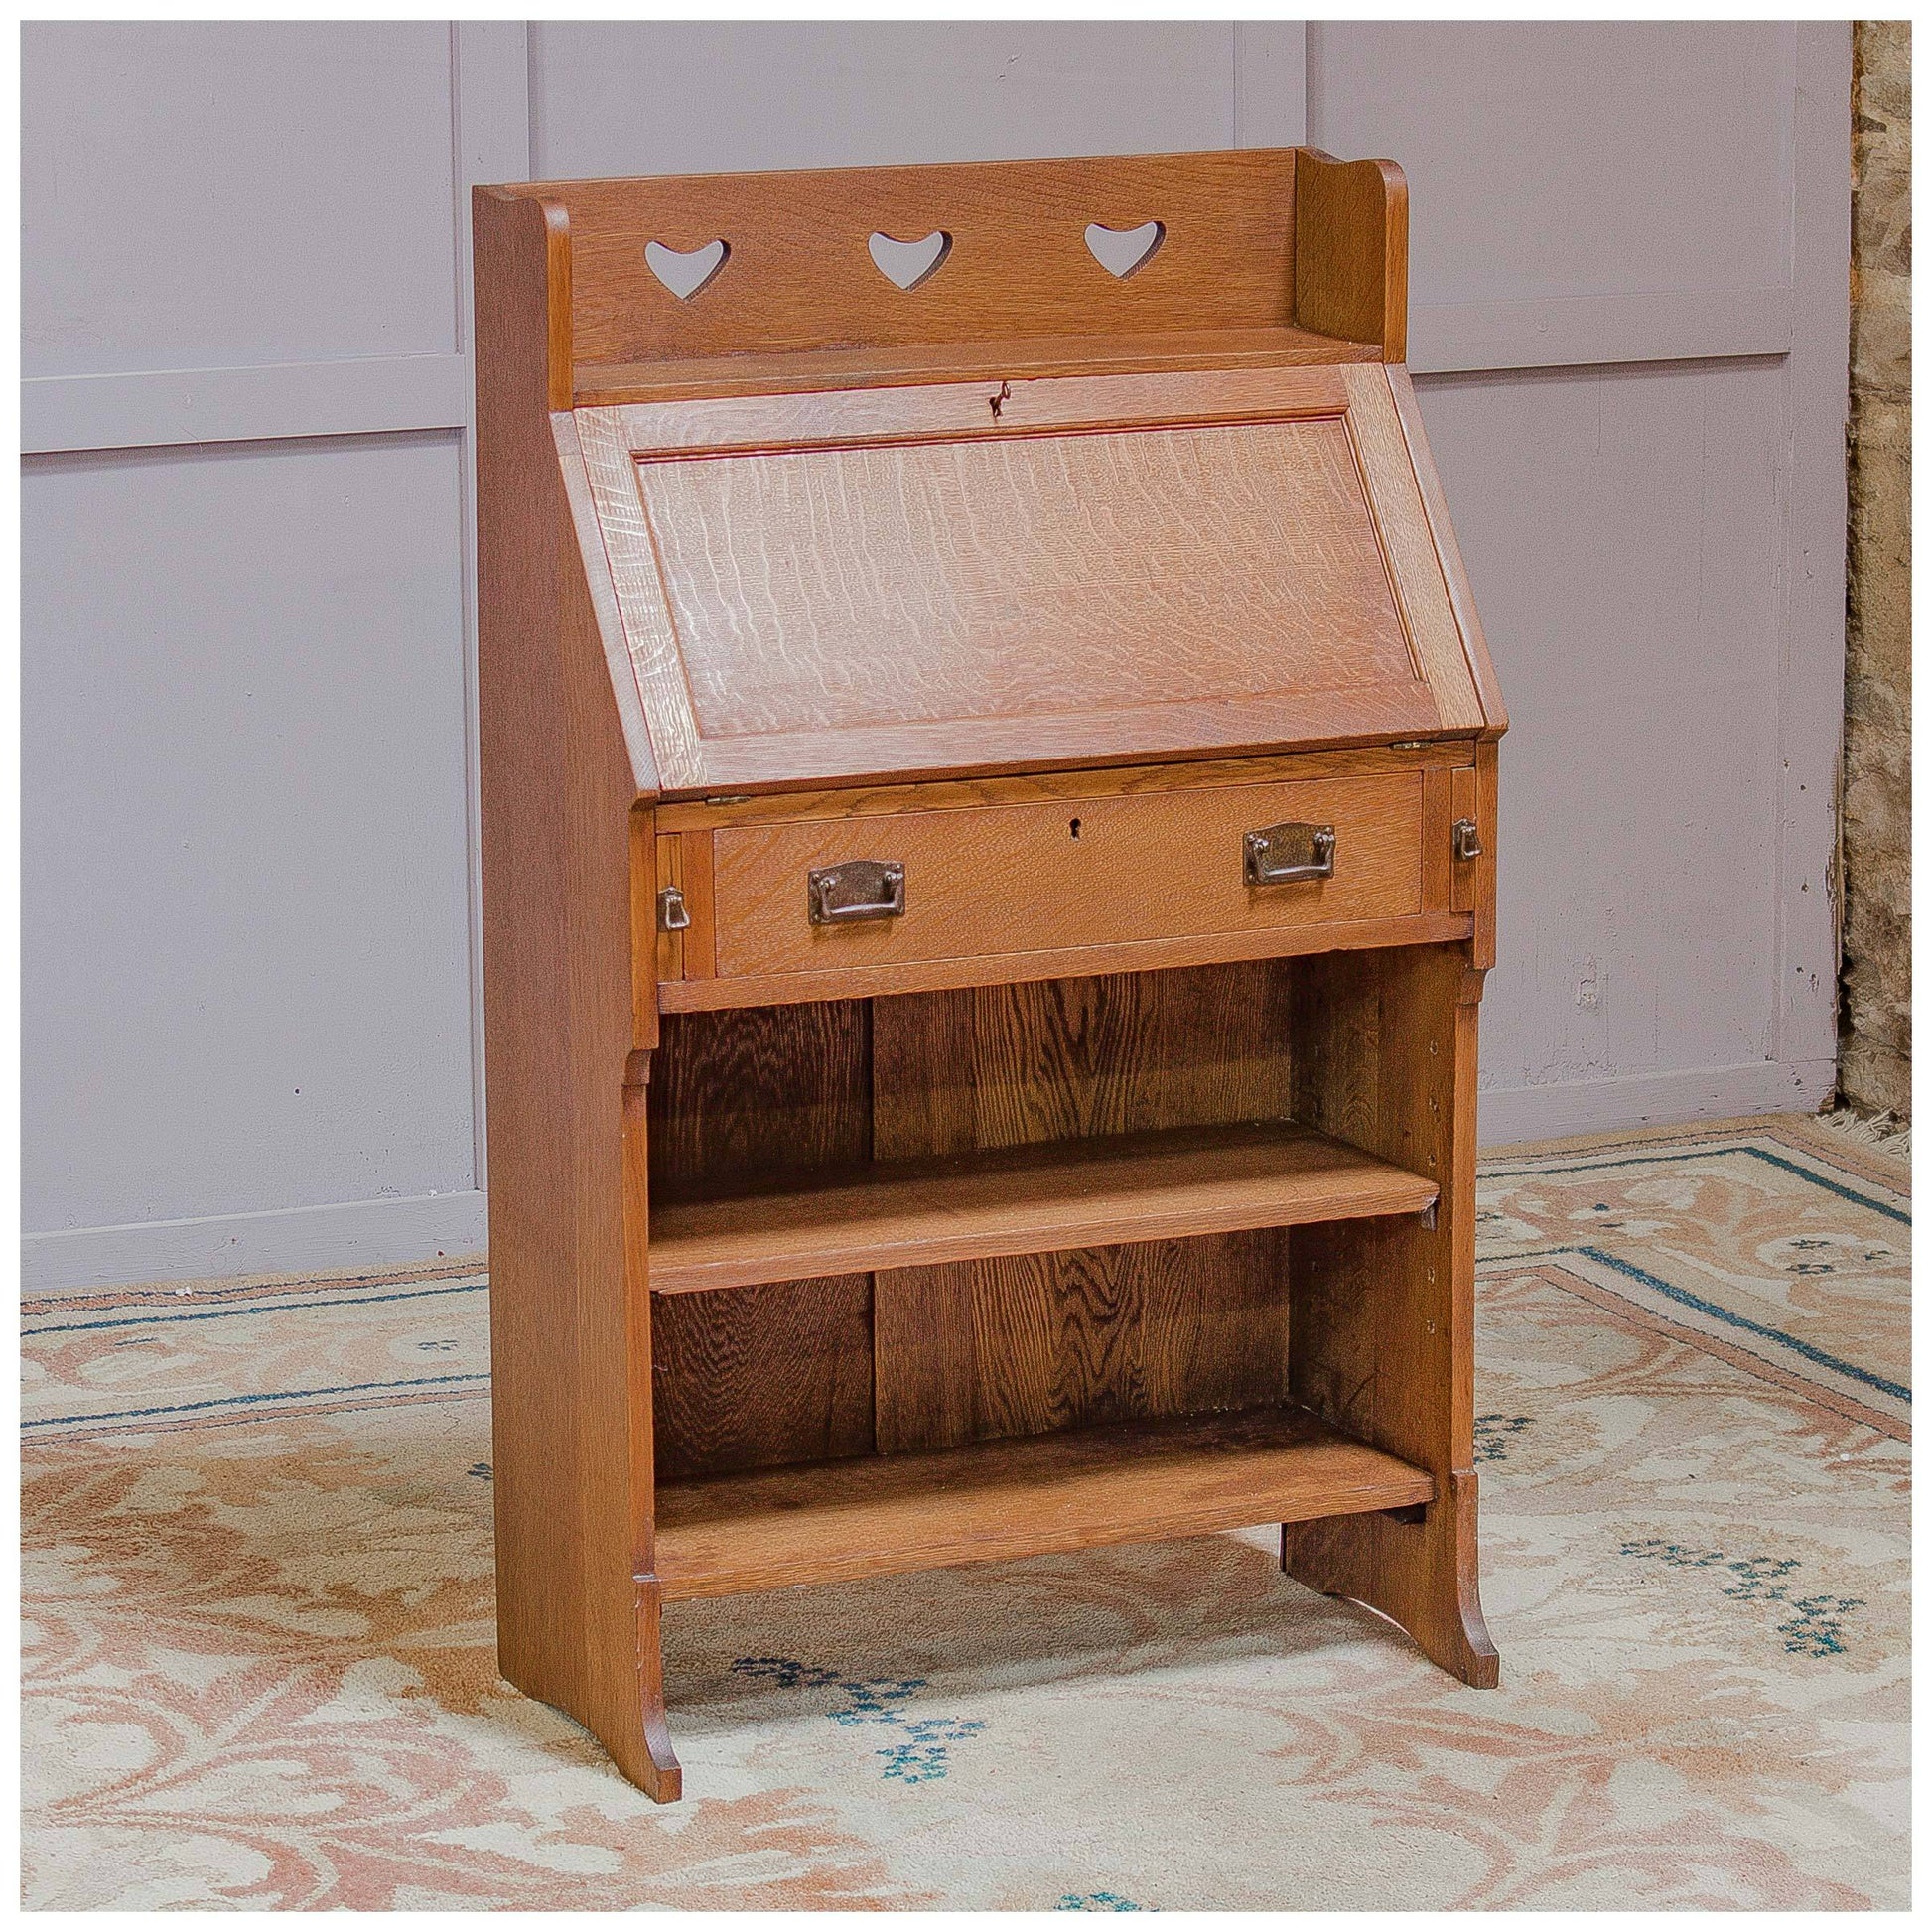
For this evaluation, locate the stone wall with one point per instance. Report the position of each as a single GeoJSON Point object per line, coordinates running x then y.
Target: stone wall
{"type": "Point", "coordinates": [1876, 1014]}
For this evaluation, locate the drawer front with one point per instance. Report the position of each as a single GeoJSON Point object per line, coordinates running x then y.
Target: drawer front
{"type": "Point", "coordinates": [1106, 871]}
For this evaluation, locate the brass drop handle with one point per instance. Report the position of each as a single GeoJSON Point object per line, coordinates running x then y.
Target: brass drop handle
{"type": "Point", "coordinates": [1280, 855]}
{"type": "Point", "coordinates": [861, 888]}
{"type": "Point", "coordinates": [1466, 842]}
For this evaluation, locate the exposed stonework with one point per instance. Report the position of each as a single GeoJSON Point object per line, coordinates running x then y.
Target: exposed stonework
{"type": "Point", "coordinates": [1876, 1014]}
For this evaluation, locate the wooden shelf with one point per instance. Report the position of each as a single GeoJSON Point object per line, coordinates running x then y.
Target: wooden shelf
{"type": "Point", "coordinates": [1026, 1200]}
{"type": "Point", "coordinates": [769, 373]}
{"type": "Point", "coordinates": [831, 1521]}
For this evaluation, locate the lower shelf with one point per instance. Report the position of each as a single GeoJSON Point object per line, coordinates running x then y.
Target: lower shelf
{"type": "Point", "coordinates": [830, 1522]}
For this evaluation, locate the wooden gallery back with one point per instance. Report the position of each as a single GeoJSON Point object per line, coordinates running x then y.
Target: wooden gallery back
{"type": "Point", "coordinates": [989, 829]}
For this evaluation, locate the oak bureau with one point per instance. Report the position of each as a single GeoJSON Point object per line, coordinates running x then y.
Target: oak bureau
{"type": "Point", "coordinates": [989, 771]}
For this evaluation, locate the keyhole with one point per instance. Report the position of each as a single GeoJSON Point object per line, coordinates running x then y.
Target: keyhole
{"type": "Point", "coordinates": [1074, 828]}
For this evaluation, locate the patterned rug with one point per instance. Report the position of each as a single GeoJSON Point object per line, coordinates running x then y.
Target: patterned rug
{"type": "Point", "coordinates": [259, 1644]}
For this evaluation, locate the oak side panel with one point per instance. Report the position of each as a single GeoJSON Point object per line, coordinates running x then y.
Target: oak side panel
{"type": "Point", "coordinates": [1443, 533]}
{"type": "Point", "coordinates": [569, 1341]}
{"type": "Point", "coordinates": [1351, 256]}
{"type": "Point", "coordinates": [1383, 1313]}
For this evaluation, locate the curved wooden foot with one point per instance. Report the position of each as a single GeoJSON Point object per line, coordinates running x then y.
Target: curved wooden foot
{"type": "Point", "coordinates": [1419, 1575]}
{"type": "Point", "coordinates": [620, 1700]}
{"type": "Point", "coordinates": [639, 1739]}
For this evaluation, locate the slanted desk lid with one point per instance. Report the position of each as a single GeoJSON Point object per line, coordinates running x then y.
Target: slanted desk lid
{"type": "Point", "coordinates": [973, 577]}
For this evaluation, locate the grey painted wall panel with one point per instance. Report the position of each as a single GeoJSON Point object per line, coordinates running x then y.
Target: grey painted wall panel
{"type": "Point", "coordinates": [615, 98]}
{"type": "Point", "coordinates": [245, 918]}
{"type": "Point", "coordinates": [200, 194]}
{"type": "Point", "coordinates": [1549, 159]}
{"type": "Point", "coordinates": [1622, 530]}
{"type": "Point", "coordinates": [225, 904]}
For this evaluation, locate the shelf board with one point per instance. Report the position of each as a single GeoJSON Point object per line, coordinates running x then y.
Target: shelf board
{"type": "Point", "coordinates": [1025, 1200]}
{"type": "Point", "coordinates": [775, 373]}
{"type": "Point", "coordinates": [1129, 1482]}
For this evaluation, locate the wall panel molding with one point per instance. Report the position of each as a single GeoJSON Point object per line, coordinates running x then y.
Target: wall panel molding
{"type": "Point", "coordinates": [375, 395]}
{"type": "Point", "coordinates": [1584, 331]}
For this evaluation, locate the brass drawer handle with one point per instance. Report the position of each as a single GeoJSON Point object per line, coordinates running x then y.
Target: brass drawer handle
{"type": "Point", "coordinates": [1466, 842]}
{"type": "Point", "coordinates": [861, 888]}
{"type": "Point", "coordinates": [1282, 854]}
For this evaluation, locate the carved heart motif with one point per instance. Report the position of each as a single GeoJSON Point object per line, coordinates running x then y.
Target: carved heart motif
{"type": "Point", "coordinates": [905, 264]}
{"type": "Point", "coordinates": [686, 274]}
{"type": "Point", "coordinates": [1120, 252]}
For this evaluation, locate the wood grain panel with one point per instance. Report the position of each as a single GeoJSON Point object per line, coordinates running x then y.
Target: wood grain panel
{"type": "Point", "coordinates": [1006, 1066]}
{"type": "Point", "coordinates": [1016, 359]}
{"type": "Point", "coordinates": [1441, 533]}
{"type": "Point", "coordinates": [925, 1358]}
{"type": "Point", "coordinates": [799, 275]}
{"type": "Point", "coordinates": [1410, 547]}
{"type": "Point", "coordinates": [1036, 878]}
{"type": "Point", "coordinates": [1146, 956]}
{"type": "Point", "coordinates": [867, 801]}
{"type": "Point", "coordinates": [760, 1090]}
{"type": "Point", "coordinates": [1156, 1329]}
{"type": "Point", "coordinates": [950, 411]}
{"type": "Point", "coordinates": [931, 579]}
{"type": "Point", "coordinates": [828, 589]}
{"type": "Point", "coordinates": [1167, 1328]}
{"type": "Point", "coordinates": [1068, 1492]}
{"type": "Point", "coordinates": [759, 1375]}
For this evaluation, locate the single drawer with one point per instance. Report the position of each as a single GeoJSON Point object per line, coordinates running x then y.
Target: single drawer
{"type": "Point", "coordinates": [903, 888]}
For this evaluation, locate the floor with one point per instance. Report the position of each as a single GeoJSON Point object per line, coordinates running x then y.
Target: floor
{"type": "Point", "coordinates": [260, 1674]}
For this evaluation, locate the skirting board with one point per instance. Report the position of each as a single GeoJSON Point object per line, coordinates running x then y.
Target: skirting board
{"type": "Point", "coordinates": [398, 1233]}
{"type": "Point", "coordinates": [285, 1241]}
{"type": "Point", "coordinates": [1505, 1114]}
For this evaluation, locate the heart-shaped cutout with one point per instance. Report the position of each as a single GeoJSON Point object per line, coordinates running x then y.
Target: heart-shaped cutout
{"type": "Point", "coordinates": [905, 264]}
{"type": "Point", "coordinates": [686, 273]}
{"type": "Point", "coordinates": [1120, 252]}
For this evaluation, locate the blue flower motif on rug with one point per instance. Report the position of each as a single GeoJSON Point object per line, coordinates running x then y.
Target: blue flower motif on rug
{"type": "Point", "coordinates": [1493, 1434]}
{"type": "Point", "coordinates": [1814, 1627]}
{"type": "Point", "coordinates": [1096, 1901]}
{"type": "Point", "coordinates": [920, 1754]}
